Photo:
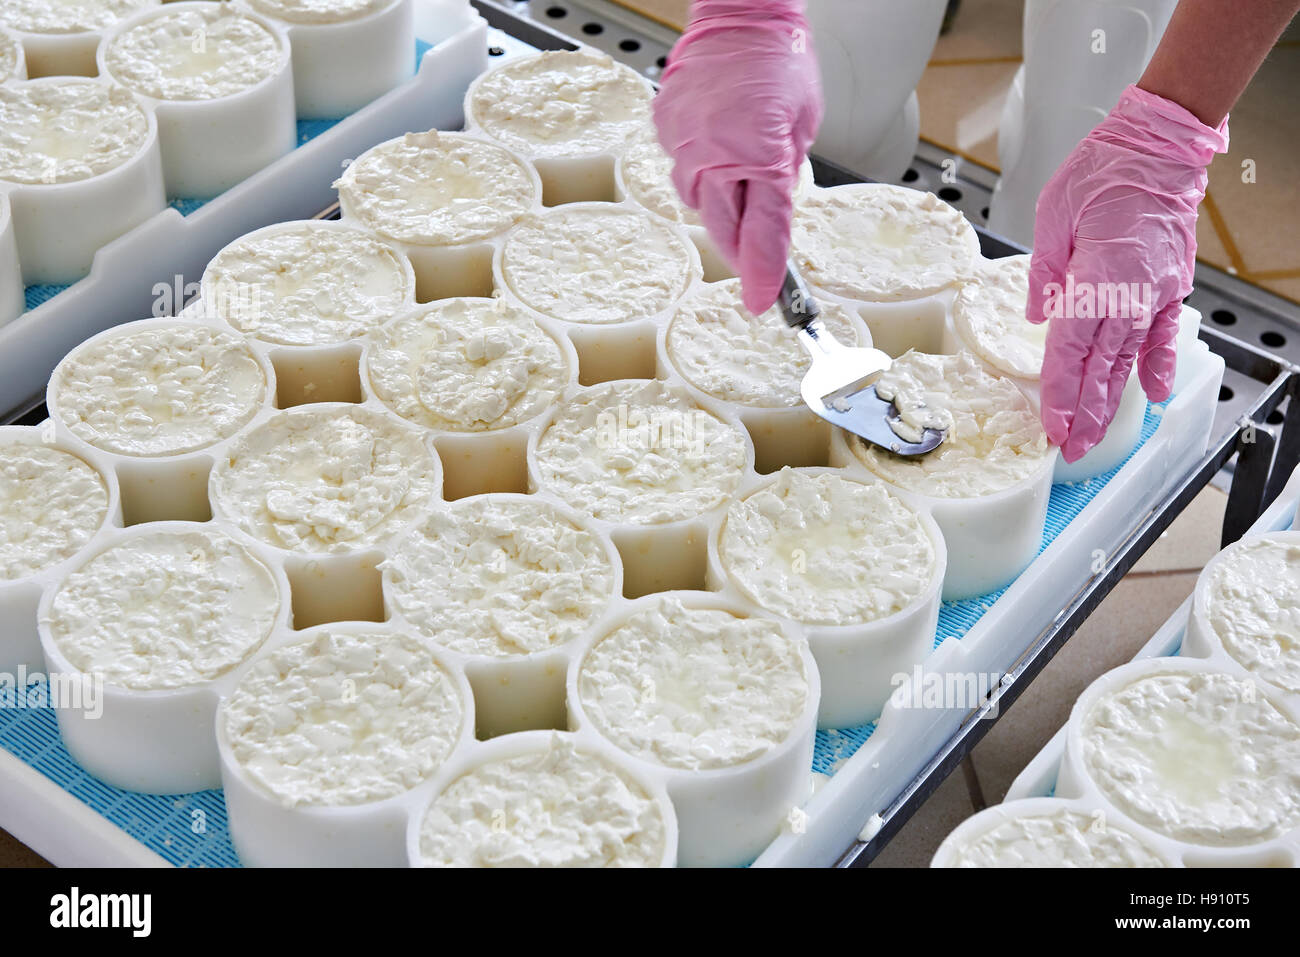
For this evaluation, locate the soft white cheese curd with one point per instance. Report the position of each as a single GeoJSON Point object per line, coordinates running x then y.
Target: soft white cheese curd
{"type": "Point", "coordinates": [552, 807]}
{"type": "Point", "coordinates": [325, 479]}
{"type": "Point", "coordinates": [989, 313]}
{"type": "Point", "coordinates": [164, 610]}
{"type": "Point", "coordinates": [723, 350]}
{"type": "Point", "coordinates": [1252, 601]}
{"type": "Point", "coordinates": [881, 243]}
{"type": "Point", "coordinates": [194, 54]}
{"type": "Point", "coordinates": [562, 103]}
{"type": "Point", "coordinates": [318, 11]}
{"type": "Point", "coordinates": [466, 365]}
{"type": "Point", "coordinates": [1059, 839]}
{"type": "Point", "coordinates": [825, 550]}
{"type": "Point", "coordinates": [647, 176]}
{"type": "Point", "coordinates": [67, 130]}
{"type": "Point", "coordinates": [67, 16]}
{"type": "Point", "coordinates": [436, 189]}
{"type": "Point", "coordinates": [994, 437]}
{"type": "Point", "coordinates": [343, 718]}
{"type": "Point", "coordinates": [311, 284]}
{"type": "Point", "coordinates": [8, 56]}
{"type": "Point", "coordinates": [159, 391]}
{"type": "Point", "coordinates": [694, 689]}
{"type": "Point", "coordinates": [499, 577]}
{"type": "Point", "coordinates": [597, 264]}
{"type": "Point", "coordinates": [639, 452]}
{"type": "Point", "coordinates": [51, 504]}
{"type": "Point", "coordinates": [1201, 757]}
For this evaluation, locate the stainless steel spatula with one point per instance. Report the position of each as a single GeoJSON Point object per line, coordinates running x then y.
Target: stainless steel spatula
{"type": "Point", "coordinates": [839, 386]}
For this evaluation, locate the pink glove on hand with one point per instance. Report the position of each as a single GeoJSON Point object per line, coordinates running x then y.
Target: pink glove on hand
{"type": "Point", "coordinates": [738, 108]}
{"type": "Point", "coordinates": [1117, 223]}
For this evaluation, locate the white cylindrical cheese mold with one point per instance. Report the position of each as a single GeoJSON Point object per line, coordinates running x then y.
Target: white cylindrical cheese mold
{"type": "Point", "coordinates": [270, 832]}
{"type": "Point", "coordinates": [169, 485]}
{"type": "Point", "coordinates": [20, 597]}
{"type": "Point", "coordinates": [12, 299]}
{"type": "Point", "coordinates": [1273, 605]}
{"type": "Point", "coordinates": [66, 52]}
{"type": "Point", "coordinates": [155, 741]}
{"type": "Point", "coordinates": [1076, 781]}
{"type": "Point", "coordinates": [1162, 853]}
{"type": "Point", "coordinates": [857, 662]}
{"type": "Point", "coordinates": [512, 692]}
{"type": "Point", "coordinates": [339, 66]}
{"type": "Point", "coordinates": [210, 145]}
{"type": "Point", "coordinates": [726, 815]}
{"type": "Point", "coordinates": [103, 207]}
{"type": "Point", "coordinates": [526, 743]}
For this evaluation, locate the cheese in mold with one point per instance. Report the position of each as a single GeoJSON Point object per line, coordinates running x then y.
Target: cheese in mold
{"type": "Point", "coordinates": [1060, 839]}
{"type": "Point", "coordinates": [989, 313]}
{"type": "Point", "coordinates": [162, 390]}
{"type": "Point", "coordinates": [343, 718]}
{"type": "Point", "coordinates": [1252, 601]}
{"type": "Point", "coordinates": [826, 550]}
{"type": "Point", "coordinates": [693, 688]}
{"type": "Point", "coordinates": [51, 504]}
{"type": "Point", "coordinates": [67, 16]}
{"type": "Point", "coordinates": [165, 610]}
{"type": "Point", "coordinates": [466, 365]}
{"type": "Point", "coordinates": [639, 452]}
{"type": "Point", "coordinates": [499, 577]}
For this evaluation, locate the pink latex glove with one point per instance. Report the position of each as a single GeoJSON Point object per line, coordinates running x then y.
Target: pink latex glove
{"type": "Point", "coordinates": [738, 108]}
{"type": "Point", "coordinates": [1121, 209]}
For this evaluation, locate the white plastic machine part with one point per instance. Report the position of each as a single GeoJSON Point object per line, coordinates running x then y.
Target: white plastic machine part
{"type": "Point", "coordinates": [11, 276]}
{"type": "Point", "coordinates": [209, 145]}
{"type": "Point", "coordinates": [102, 207]}
{"type": "Point", "coordinates": [872, 55]}
{"type": "Point", "coordinates": [341, 65]}
{"type": "Point", "coordinates": [1079, 57]}
{"type": "Point", "coordinates": [72, 52]}
{"type": "Point", "coordinates": [154, 269]}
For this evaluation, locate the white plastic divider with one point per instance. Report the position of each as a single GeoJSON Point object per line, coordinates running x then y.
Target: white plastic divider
{"type": "Point", "coordinates": [906, 737]}
{"type": "Point", "coordinates": [11, 278]}
{"type": "Point", "coordinates": [154, 269]}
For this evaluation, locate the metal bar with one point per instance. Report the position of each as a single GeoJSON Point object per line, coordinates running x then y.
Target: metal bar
{"type": "Point", "coordinates": [1287, 456]}
{"type": "Point", "coordinates": [1249, 482]}
{"type": "Point", "coordinates": [529, 31]}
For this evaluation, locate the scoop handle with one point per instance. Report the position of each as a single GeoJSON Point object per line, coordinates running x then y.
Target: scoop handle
{"type": "Point", "coordinates": [797, 302]}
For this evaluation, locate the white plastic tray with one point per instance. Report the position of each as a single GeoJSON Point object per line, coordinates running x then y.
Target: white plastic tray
{"type": "Point", "coordinates": [140, 273]}
{"type": "Point", "coordinates": [905, 739]}
{"type": "Point", "coordinates": [1038, 779]}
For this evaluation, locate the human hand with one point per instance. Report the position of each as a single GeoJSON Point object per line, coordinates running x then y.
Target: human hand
{"type": "Point", "coordinates": [1114, 254]}
{"type": "Point", "coordinates": [738, 109]}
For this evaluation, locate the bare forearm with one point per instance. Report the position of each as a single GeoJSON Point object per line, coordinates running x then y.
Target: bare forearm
{"type": "Point", "coordinates": [1211, 50]}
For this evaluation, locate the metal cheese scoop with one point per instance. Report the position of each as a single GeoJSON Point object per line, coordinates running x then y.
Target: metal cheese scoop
{"type": "Point", "coordinates": [839, 386]}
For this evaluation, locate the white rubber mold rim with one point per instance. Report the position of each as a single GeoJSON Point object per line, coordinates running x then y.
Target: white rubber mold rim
{"type": "Point", "coordinates": [20, 598]}
{"type": "Point", "coordinates": [102, 207]}
{"type": "Point", "coordinates": [210, 145]}
{"type": "Point", "coordinates": [154, 268]}
{"type": "Point", "coordinates": [340, 66]}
